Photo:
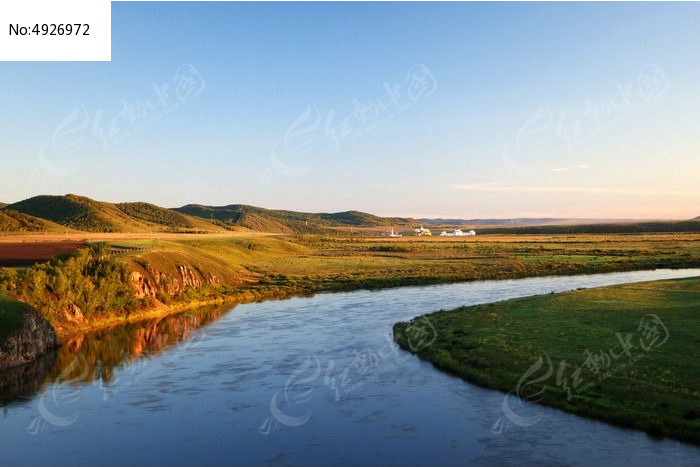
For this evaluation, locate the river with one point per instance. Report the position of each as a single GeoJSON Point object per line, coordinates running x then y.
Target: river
{"type": "Point", "coordinates": [304, 381]}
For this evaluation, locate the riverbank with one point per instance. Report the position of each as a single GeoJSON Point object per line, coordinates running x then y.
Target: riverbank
{"type": "Point", "coordinates": [150, 278]}
{"type": "Point", "coordinates": [268, 289]}
{"type": "Point", "coordinates": [621, 354]}
{"type": "Point", "coordinates": [24, 334]}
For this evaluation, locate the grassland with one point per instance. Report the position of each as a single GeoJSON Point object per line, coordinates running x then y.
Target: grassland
{"type": "Point", "coordinates": [254, 268]}
{"type": "Point", "coordinates": [692, 225]}
{"type": "Point", "coordinates": [331, 263]}
{"type": "Point", "coordinates": [653, 386]}
{"type": "Point", "coordinates": [241, 267]}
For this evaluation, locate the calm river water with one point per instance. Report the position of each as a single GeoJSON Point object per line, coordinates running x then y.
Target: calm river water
{"type": "Point", "coordinates": [300, 381]}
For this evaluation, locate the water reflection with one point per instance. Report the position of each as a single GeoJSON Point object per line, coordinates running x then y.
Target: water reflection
{"type": "Point", "coordinates": [182, 395]}
{"type": "Point", "coordinates": [96, 356]}
{"type": "Point", "coordinates": [23, 382]}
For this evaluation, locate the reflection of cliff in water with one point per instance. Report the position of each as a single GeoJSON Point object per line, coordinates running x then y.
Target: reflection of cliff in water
{"type": "Point", "coordinates": [95, 356]}
{"type": "Point", "coordinates": [24, 381]}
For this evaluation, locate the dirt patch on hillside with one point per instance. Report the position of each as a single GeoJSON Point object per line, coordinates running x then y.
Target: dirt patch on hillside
{"type": "Point", "coordinates": [28, 253]}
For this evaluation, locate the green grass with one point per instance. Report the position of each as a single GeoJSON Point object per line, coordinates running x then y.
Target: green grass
{"type": "Point", "coordinates": [692, 225]}
{"type": "Point", "coordinates": [11, 316]}
{"type": "Point", "coordinates": [316, 263]}
{"type": "Point", "coordinates": [258, 267]}
{"type": "Point", "coordinates": [657, 391]}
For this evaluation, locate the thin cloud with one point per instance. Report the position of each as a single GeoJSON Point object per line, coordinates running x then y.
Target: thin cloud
{"type": "Point", "coordinates": [566, 189]}
{"type": "Point", "coordinates": [566, 169]}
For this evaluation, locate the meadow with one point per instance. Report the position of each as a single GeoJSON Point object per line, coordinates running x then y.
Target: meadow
{"type": "Point", "coordinates": [191, 270]}
{"type": "Point", "coordinates": [624, 354]}
{"type": "Point", "coordinates": [312, 263]}
{"type": "Point", "coordinates": [493, 345]}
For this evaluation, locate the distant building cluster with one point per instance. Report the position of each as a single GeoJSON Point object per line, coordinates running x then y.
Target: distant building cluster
{"type": "Point", "coordinates": [423, 232]}
{"type": "Point", "coordinates": [457, 233]}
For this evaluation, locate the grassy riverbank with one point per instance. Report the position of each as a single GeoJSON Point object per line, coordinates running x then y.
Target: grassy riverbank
{"type": "Point", "coordinates": [92, 290]}
{"type": "Point", "coordinates": [652, 384]}
{"type": "Point", "coordinates": [312, 263]}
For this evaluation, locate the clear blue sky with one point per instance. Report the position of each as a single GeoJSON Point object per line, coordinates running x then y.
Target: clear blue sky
{"type": "Point", "coordinates": [567, 110]}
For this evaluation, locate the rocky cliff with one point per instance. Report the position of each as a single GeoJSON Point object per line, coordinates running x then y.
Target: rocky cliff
{"type": "Point", "coordinates": [35, 338]}
{"type": "Point", "coordinates": [149, 281]}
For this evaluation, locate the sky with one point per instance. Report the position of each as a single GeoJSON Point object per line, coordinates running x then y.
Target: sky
{"type": "Point", "coordinates": [462, 110]}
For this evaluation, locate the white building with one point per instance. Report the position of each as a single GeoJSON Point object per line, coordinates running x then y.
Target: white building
{"type": "Point", "coordinates": [457, 233]}
{"type": "Point", "coordinates": [421, 231]}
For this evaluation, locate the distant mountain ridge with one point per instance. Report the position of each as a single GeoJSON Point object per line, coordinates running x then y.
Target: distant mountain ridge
{"type": "Point", "coordinates": [79, 213]}
{"type": "Point", "coordinates": [71, 213]}
{"type": "Point", "coordinates": [527, 221]}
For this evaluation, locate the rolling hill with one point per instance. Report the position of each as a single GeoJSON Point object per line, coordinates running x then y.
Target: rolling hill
{"type": "Point", "coordinates": [78, 213]}
{"type": "Point", "coordinates": [231, 216]}
{"type": "Point", "coordinates": [163, 217]}
{"type": "Point", "coordinates": [15, 221]}
{"type": "Point", "coordinates": [283, 221]}
{"type": "Point", "coordinates": [85, 214]}
{"type": "Point", "coordinates": [48, 212]}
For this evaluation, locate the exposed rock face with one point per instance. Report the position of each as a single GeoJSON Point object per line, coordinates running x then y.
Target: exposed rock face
{"type": "Point", "coordinates": [73, 313]}
{"type": "Point", "coordinates": [172, 284]}
{"type": "Point", "coordinates": [142, 285]}
{"type": "Point", "coordinates": [35, 338]}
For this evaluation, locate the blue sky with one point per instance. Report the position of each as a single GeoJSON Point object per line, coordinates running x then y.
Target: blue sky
{"type": "Point", "coordinates": [439, 109]}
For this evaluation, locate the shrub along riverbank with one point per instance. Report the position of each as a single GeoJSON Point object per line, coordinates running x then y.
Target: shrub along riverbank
{"type": "Point", "coordinates": [623, 354]}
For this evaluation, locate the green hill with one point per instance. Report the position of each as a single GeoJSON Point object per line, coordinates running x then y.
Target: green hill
{"type": "Point", "coordinates": [15, 221]}
{"type": "Point", "coordinates": [56, 213]}
{"type": "Point", "coordinates": [272, 220]}
{"type": "Point", "coordinates": [81, 213]}
{"type": "Point", "coordinates": [362, 219]}
{"type": "Point", "coordinates": [47, 212]}
{"type": "Point", "coordinates": [164, 217]}
{"type": "Point", "coordinates": [78, 212]}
